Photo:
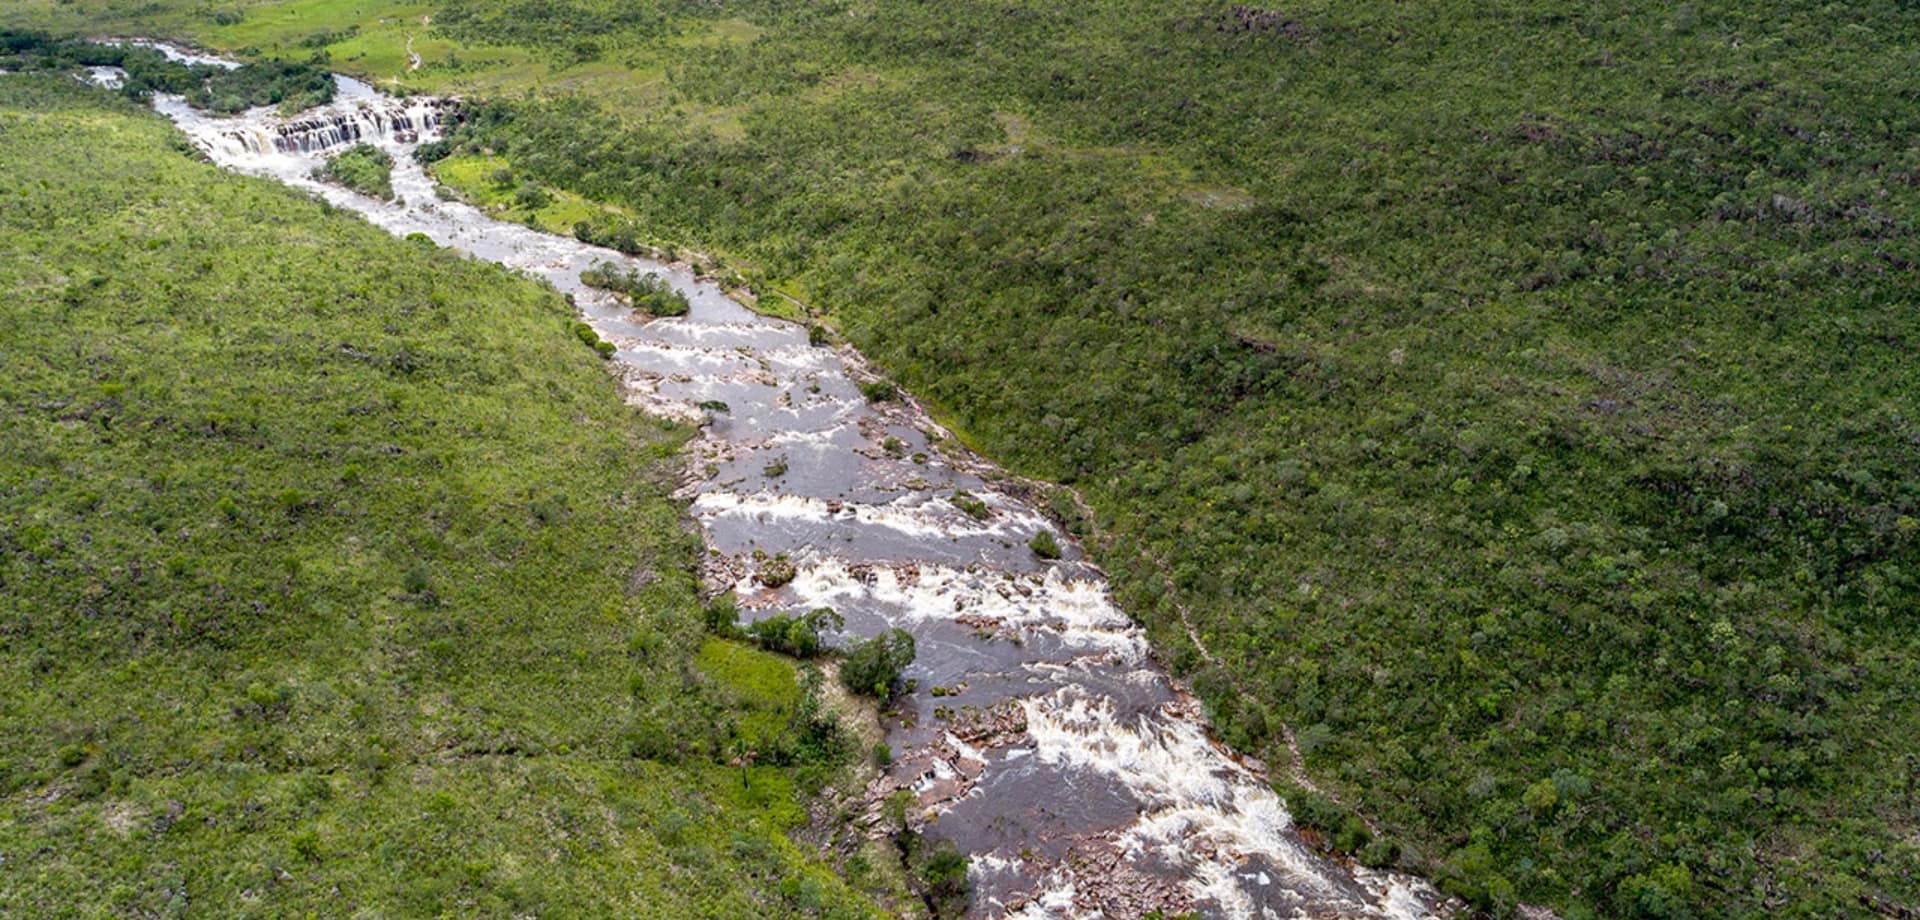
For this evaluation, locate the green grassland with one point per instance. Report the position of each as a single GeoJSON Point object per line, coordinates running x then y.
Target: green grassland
{"type": "Point", "coordinates": [336, 579]}
{"type": "Point", "coordinates": [1513, 402]}
{"type": "Point", "coordinates": [489, 182]}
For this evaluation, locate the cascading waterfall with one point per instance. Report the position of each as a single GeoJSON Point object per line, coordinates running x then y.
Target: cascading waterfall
{"type": "Point", "coordinates": [358, 114]}
{"type": "Point", "coordinates": [1077, 776]}
{"type": "Point", "coordinates": [322, 131]}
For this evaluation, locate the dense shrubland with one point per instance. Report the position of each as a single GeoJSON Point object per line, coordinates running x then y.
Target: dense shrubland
{"type": "Point", "coordinates": [1516, 400]}
{"type": "Point", "coordinates": [290, 85]}
{"type": "Point", "coordinates": [363, 167]}
{"type": "Point", "coordinates": [336, 578]}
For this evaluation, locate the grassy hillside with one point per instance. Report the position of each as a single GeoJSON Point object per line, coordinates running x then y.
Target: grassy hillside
{"type": "Point", "coordinates": [1515, 401]}
{"type": "Point", "coordinates": [336, 579]}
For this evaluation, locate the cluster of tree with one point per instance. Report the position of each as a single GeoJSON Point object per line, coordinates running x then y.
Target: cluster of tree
{"type": "Point", "coordinates": [939, 869]}
{"type": "Point", "coordinates": [589, 337]}
{"type": "Point", "coordinates": [871, 667]}
{"type": "Point", "coordinates": [798, 636]}
{"type": "Point", "coordinates": [294, 85]}
{"type": "Point", "coordinates": [148, 70]}
{"type": "Point", "coordinates": [645, 291]}
{"type": "Point", "coordinates": [291, 85]}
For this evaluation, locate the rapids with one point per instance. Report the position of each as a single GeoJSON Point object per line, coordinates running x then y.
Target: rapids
{"type": "Point", "coordinates": [1058, 754]}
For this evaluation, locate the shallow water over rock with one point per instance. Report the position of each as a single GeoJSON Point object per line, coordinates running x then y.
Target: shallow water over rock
{"type": "Point", "coordinates": [1058, 754]}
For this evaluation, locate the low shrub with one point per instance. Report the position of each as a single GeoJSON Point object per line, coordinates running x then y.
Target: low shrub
{"type": "Point", "coordinates": [970, 504]}
{"type": "Point", "coordinates": [592, 340]}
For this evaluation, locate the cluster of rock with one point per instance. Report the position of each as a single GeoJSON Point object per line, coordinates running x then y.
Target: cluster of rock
{"type": "Point", "coordinates": [944, 771]}
{"type": "Point", "coordinates": [1252, 20]}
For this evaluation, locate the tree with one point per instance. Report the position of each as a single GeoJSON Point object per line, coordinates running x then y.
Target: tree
{"type": "Point", "coordinates": [873, 667]}
{"type": "Point", "coordinates": [797, 636]}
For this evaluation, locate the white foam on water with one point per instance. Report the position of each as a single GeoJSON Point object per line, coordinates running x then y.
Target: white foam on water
{"type": "Point", "coordinates": [809, 439]}
{"type": "Point", "coordinates": [181, 55]}
{"type": "Point", "coordinates": [706, 330]}
{"type": "Point", "coordinates": [259, 135]}
{"type": "Point", "coordinates": [104, 77]}
{"type": "Point", "coordinates": [1078, 612]}
{"type": "Point", "coordinates": [1404, 895]}
{"type": "Point", "coordinates": [964, 750]}
{"type": "Point", "coordinates": [668, 358]}
{"type": "Point", "coordinates": [913, 517]}
{"type": "Point", "coordinates": [800, 359]}
{"type": "Point", "coordinates": [1198, 801]}
{"type": "Point", "coordinates": [1054, 903]}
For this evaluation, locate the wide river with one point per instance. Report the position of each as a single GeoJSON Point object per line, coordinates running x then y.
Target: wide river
{"type": "Point", "coordinates": [1043, 737]}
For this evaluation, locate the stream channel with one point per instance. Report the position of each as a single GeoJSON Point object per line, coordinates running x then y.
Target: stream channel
{"type": "Point", "coordinates": [1079, 779]}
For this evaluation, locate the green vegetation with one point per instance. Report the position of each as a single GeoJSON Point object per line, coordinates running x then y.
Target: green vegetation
{"type": "Point", "coordinates": [614, 232]}
{"type": "Point", "coordinates": [363, 167]}
{"type": "Point", "coordinates": [490, 184]}
{"type": "Point", "coordinates": [1509, 397]}
{"type": "Point", "coordinates": [872, 666]}
{"type": "Point", "coordinates": [1044, 545]}
{"type": "Point", "coordinates": [775, 572]}
{"type": "Point", "coordinates": [798, 636]}
{"type": "Point", "coordinates": [940, 871]}
{"type": "Point", "coordinates": [592, 339]}
{"type": "Point", "coordinates": [337, 579]}
{"type": "Point", "coordinates": [648, 292]}
{"type": "Point", "coordinates": [971, 504]}
{"type": "Point", "coordinates": [292, 85]}
{"type": "Point", "coordinates": [1503, 395]}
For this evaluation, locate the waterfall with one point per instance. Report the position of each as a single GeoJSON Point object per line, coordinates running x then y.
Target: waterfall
{"type": "Point", "coordinates": [339, 125]}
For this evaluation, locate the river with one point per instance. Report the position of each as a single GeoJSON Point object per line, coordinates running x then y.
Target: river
{"type": "Point", "coordinates": [1043, 738]}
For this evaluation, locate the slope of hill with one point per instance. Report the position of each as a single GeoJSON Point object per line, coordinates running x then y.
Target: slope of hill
{"type": "Point", "coordinates": [336, 578]}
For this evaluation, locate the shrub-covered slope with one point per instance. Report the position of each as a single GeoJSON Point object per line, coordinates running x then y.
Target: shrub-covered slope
{"type": "Point", "coordinates": [336, 578]}
{"type": "Point", "coordinates": [1516, 399]}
